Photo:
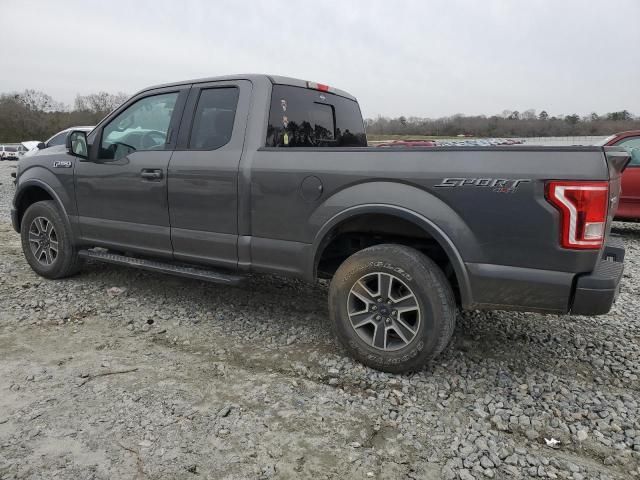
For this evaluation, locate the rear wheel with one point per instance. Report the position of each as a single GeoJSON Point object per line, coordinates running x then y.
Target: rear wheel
{"type": "Point", "coordinates": [392, 308]}
{"type": "Point", "coordinates": [46, 241]}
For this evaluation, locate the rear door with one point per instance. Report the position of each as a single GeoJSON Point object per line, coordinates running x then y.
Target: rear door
{"type": "Point", "coordinates": [630, 197]}
{"type": "Point", "coordinates": [203, 173]}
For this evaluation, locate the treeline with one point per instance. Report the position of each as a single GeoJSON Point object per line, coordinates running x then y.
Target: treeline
{"type": "Point", "coordinates": [507, 124]}
{"type": "Point", "coordinates": [34, 115]}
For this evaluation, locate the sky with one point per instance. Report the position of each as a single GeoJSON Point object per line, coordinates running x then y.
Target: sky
{"type": "Point", "coordinates": [428, 58]}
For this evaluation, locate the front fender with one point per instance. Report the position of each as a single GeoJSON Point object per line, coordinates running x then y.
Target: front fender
{"type": "Point", "coordinates": [405, 201]}
{"type": "Point", "coordinates": [60, 189]}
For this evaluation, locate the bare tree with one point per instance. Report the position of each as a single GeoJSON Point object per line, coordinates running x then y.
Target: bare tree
{"type": "Point", "coordinates": [617, 116]}
{"type": "Point", "coordinates": [38, 101]}
{"type": "Point", "coordinates": [101, 102]}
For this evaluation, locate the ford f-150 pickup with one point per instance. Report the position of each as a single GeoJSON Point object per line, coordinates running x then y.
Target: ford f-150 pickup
{"type": "Point", "coordinates": [217, 178]}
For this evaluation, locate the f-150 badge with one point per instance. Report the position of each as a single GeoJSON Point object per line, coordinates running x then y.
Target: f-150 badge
{"type": "Point", "coordinates": [62, 164]}
{"type": "Point", "coordinates": [499, 185]}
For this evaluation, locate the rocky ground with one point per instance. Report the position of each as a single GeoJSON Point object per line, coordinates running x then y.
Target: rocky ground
{"type": "Point", "coordinates": [117, 373]}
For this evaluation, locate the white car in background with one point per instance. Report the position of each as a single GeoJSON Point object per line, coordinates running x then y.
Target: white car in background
{"type": "Point", "coordinates": [9, 152]}
{"type": "Point", "coordinates": [30, 144]}
{"type": "Point", "coordinates": [58, 139]}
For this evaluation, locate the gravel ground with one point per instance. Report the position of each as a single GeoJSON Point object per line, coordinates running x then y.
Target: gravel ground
{"type": "Point", "coordinates": [164, 377]}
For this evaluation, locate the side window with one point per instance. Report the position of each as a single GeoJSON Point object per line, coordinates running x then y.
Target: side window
{"type": "Point", "coordinates": [630, 144]}
{"type": "Point", "coordinates": [302, 117]}
{"type": "Point", "coordinates": [213, 119]}
{"type": "Point", "coordinates": [142, 126]}
{"type": "Point", "coordinates": [59, 139]}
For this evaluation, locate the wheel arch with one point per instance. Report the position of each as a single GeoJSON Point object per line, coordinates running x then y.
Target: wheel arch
{"type": "Point", "coordinates": [328, 232]}
{"type": "Point", "coordinates": [34, 190]}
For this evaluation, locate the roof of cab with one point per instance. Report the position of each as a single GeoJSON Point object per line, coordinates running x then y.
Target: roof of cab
{"type": "Point", "coordinates": [275, 79]}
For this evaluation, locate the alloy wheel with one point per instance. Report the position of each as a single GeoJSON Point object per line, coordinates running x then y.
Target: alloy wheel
{"type": "Point", "coordinates": [383, 311]}
{"type": "Point", "coordinates": [43, 240]}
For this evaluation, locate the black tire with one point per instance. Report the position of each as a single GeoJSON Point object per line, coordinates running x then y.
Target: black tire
{"type": "Point", "coordinates": [409, 271]}
{"type": "Point", "coordinates": [66, 261]}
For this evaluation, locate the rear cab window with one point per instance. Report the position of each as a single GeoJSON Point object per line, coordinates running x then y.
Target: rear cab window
{"type": "Point", "coordinates": [303, 117]}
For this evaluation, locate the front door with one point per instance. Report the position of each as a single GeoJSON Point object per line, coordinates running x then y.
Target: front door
{"type": "Point", "coordinates": [121, 190]}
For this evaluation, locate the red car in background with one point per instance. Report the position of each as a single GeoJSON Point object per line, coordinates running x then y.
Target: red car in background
{"type": "Point", "coordinates": [408, 143]}
{"type": "Point", "coordinates": [629, 206]}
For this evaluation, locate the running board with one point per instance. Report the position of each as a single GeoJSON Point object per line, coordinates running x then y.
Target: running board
{"type": "Point", "coordinates": [155, 266]}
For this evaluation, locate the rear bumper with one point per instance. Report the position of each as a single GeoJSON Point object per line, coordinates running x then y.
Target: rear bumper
{"type": "Point", "coordinates": [502, 287]}
{"type": "Point", "coordinates": [597, 291]}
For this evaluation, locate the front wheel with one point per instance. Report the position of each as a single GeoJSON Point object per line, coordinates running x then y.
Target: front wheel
{"type": "Point", "coordinates": [392, 308]}
{"type": "Point", "coordinates": [47, 241]}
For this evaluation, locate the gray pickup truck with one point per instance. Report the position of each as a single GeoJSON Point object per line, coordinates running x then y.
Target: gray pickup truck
{"type": "Point", "coordinates": [217, 178]}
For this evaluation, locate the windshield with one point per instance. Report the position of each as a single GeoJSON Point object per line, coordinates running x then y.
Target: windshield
{"type": "Point", "coordinates": [10, 149]}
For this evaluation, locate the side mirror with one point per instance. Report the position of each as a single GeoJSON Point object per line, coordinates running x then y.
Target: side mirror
{"type": "Point", "coordinates": [41, 146]}
{"type": "Point", "coordinates": [635, 156]}
{"type": "Point", "coordinates": [77, 144]}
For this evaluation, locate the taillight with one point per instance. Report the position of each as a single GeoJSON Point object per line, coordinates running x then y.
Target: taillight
{"type": "Point", "coordinates": [583, 212]}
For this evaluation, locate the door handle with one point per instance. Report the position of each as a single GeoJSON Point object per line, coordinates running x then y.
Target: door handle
{"type": "Point", "coordinates": [151, 174]}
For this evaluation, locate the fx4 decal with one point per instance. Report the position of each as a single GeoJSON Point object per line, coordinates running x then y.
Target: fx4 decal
{"type": "Point", "coordinates": [62, 164]}
{"type": "Point", "coordinates": [499, 185]}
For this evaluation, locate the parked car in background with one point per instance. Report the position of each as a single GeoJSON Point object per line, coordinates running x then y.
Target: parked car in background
{"type": "Point", "coordinates": [30, 144]}
{"type": "Point", "coordinates": [629, 206]}
{"type": "Point", "coordinates": [408, 143]}
{"type": "Point", "coordinates": [9, 152]}
{"type": "Point", "coordinates": [59, 139]}
{"type": "Point", "coordinates": [468, 142]}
